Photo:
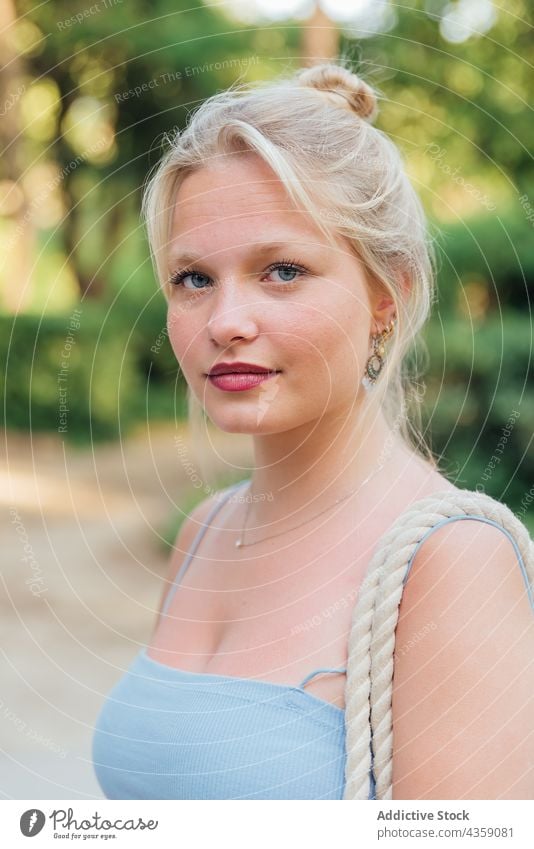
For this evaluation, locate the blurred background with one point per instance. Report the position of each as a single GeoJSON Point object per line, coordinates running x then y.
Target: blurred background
{"type": "Point", "coordinates": [98, 463]}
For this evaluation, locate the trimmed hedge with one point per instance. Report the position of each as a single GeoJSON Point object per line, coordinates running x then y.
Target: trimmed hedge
{"type": "Point", "coordinates": [86, 375]}
{"type": "Point", "coordinates": [479, 403]}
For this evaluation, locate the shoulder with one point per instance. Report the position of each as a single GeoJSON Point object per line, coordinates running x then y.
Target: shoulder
{"type": "Point", "coordinates": [463, 687]}
{"type": "Point", "coordinates": [196, 521]}
{"type": "Point", "coordinates": [192, 525]}
{"type": "Point", "coordinates": [476, 538]}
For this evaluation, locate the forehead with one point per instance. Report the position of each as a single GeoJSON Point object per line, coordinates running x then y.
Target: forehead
{"type": "Point", "coordinates": [234, 200]}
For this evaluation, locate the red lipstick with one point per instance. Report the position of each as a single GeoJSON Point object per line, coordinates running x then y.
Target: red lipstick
{"type": "Point", "coordinates": [239, 376]}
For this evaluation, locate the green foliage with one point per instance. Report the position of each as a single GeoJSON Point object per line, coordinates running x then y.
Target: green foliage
{"type": "Point", "coordinates": [87, 376]}
{"type": "Point", "coordinates": [471, 97]}
{"type": "Point", "coordinates": [477, 402]}
{"type": "Point", "coordinates": [495, 251]}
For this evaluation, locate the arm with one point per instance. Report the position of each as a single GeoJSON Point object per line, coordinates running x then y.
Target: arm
{"type": "Point", "coordinates": [463, 684]}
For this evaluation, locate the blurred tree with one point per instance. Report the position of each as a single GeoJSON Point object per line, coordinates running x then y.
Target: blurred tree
{"type": "Point", "coordinates": [320, 37]}
{"type": "Point", "coordinates": [127, 72]}
{"type": "Point", "coordinates": [14, 202]}
{"type": "Point", "coordinates": [471, 98]}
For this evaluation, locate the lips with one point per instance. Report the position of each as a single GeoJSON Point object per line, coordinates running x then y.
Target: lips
{"type": "Point", "coordinates": [240, 381]}
{"type": "Point", "coordinates": [239, 368]}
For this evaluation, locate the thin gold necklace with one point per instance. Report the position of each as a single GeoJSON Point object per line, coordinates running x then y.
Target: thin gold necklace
{"type": "Point", "coordinates": [241, 544]}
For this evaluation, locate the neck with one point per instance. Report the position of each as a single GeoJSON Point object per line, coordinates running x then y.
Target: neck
{"type": "Point", "coordinates": [321, 460]}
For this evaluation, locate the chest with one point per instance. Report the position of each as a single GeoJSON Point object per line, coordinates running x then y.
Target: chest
{"type": "Point", "coordinates": [275, 611]}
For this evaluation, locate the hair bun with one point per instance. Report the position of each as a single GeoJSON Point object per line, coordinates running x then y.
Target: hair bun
{"type": "Point", "coordinates": [337, 80]}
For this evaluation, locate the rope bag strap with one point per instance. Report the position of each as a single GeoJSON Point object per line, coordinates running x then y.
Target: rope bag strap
{"type": "Point", "coordinates": [368, 694]}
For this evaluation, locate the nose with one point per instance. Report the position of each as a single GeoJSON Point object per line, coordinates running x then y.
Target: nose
{"type": "Point", "coordinates": [233, 315]}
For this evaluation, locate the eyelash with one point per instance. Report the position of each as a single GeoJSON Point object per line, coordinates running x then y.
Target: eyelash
{"type": "Point", "coordinates": [178, 278]}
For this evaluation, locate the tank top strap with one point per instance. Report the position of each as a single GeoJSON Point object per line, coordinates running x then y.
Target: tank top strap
{"type": "Point", "coordinates": [219, 503]}
{"type": "Point", "coordinates": [488, 521]}
{"type": "Point", "coordinates": [310, 675]}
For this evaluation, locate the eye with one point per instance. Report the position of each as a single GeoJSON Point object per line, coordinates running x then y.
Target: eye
{"type": "Point", "coordinates": [197, 279]}
{"type": "Point", "coordinates": [192, 280]}
{"type": "Point", "coordinates": [288, 271]}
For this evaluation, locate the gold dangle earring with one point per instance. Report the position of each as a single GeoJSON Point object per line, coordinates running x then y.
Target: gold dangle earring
{"type": "Point", "coordinates": [375, 363]}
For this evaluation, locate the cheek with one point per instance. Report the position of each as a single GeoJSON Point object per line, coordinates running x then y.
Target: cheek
{"type": "Point", "coordinates": [327, 343]}
{"type": "Point", "coordinates": [331, 343]}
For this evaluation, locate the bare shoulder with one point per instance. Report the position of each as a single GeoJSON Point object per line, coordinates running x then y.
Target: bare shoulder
{"type": "Point", "coordinates": [472, 559]}
{"type": "Point", "coordinates": [193, 522]}
{"type": "Point", "coordinates": [191, 525]}
{"type": "Point", "coordinates": [463, 689]}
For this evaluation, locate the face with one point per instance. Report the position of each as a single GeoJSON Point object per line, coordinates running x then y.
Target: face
{"type": "Point", "coordinates": [255, 281]}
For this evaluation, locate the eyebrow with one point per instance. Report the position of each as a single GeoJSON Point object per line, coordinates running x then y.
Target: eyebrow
{"type": "Point", "coordinates": [187, 258]}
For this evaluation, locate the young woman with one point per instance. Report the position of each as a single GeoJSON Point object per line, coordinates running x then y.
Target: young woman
{"type": "Point", "coordinates": [293, 254]}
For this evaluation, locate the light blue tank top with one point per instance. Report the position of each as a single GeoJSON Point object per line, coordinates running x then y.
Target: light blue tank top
{"type": "Point", "coordinates": [167, 733]}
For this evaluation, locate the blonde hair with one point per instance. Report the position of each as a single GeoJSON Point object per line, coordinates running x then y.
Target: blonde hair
{"type": "Point", "coordinates": [314, 129]}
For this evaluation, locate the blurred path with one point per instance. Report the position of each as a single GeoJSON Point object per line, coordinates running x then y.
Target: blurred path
{"type": "Point", "coordinates": [82, 564]}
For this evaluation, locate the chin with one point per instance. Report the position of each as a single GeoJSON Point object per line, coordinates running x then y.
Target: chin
{"type": "Point", "coordinates": [250, 421]}
{"type": "Point", "coordinates": [241, 423]}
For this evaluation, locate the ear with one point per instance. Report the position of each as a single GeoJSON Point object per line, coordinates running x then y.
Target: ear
{"type": "Point", "coordinates": [383, 311]}
{"type": "Point", "coordinates": [383, 305]}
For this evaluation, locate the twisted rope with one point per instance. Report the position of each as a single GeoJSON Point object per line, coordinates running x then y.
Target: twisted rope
{"type": "Point", "coordinates": [368, 716]}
